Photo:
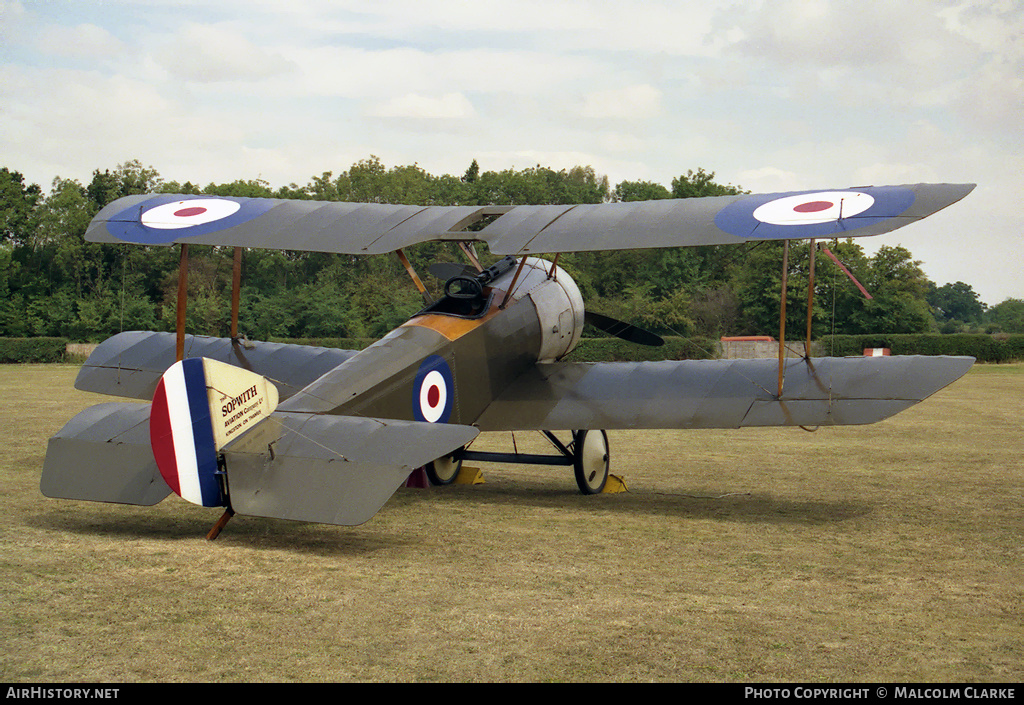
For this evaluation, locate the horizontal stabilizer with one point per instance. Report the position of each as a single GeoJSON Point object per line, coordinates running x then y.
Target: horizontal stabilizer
{"type": "Point", "coordinates": [130, 364]}
{"type": "Point", "coordinates": [719, 393]}
{"type": "Point", "coordinates": [103, 455]}
{"type": "Point", "coordinates": [330, 469]}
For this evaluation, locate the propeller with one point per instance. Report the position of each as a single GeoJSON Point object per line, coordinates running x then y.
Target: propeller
{"type": "Point", "coordinates": [621, 329]}
{"type": "Point", "coordinates": [447, 270]}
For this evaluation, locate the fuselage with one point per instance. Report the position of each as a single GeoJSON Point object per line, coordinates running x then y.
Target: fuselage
{"type": "Point", "coordinates": [450, 361]}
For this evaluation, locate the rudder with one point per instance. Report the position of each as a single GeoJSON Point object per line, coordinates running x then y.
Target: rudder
{"type": "Point", "coordinates": [200, 405]}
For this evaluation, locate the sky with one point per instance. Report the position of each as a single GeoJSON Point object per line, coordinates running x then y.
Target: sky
{"type": "Point", "coordinates": [771, 96]}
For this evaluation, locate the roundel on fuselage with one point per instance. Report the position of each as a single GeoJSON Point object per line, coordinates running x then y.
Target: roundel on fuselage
{"type": "Point", "coordinates": [433, 391]}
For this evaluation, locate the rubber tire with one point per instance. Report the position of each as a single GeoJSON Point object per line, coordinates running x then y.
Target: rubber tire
{"type": "Point", "coordinates": [591, 461]}
{"type": "Point", "coordinates": [443, 471]}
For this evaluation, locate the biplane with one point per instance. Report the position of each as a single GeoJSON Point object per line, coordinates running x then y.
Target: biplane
{"type": "Point", "coordinates": [323, 435]}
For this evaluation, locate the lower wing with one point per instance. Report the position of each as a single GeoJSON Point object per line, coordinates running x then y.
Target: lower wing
{"type": "Point", "coordinates": [718, 393]}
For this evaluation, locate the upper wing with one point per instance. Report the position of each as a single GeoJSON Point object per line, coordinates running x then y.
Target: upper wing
{"type": "Point", "coordinates": [718, 393]}
{"type": "Point", "coordinates": [374, 228]}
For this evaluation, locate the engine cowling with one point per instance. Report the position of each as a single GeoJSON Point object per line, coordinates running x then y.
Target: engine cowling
{"type": "Point", "coordinates": [559, 306]}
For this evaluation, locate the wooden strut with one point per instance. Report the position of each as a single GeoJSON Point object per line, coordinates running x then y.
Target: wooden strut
{"type": "Point", "coordinates": [553, 272]}
{"type": "Point", "coordinates": [468, 250]}
{"type": "Point", "coordinates": [182, 301]}
{"type": "Point", "coordinates": [782, 314]}
{"type": "Point", "coordinates": [512, 286]}
{"type": "Point", "coordinates": [415, 277]}
{"type": "Point", "coordinates": [810, 302]}
{"type": "Point", "coordinates": [236, 288]}
{"type": "Point", "coordinates": [846, 272]}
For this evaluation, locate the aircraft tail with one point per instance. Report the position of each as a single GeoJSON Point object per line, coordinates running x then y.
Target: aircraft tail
{"type": "Point", "coordinates": [201, 405]}
{"type": "Point", "coordinates": [217, 441]}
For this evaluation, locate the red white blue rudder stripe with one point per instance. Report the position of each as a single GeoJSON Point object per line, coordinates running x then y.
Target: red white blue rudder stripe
{"type": "Point", "coordinates": [181, 433]}
{"type": "Point", "coordinates": [200, 406]}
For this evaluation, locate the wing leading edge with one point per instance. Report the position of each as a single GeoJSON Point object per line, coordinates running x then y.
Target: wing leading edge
{"type": "Point", "coordinates": [375, 228]}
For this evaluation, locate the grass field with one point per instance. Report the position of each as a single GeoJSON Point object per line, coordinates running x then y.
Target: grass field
{"type": "Point", "coordinates": [890, 552]}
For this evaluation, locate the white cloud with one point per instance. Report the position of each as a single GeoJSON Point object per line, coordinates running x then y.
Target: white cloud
{"type": "Point", "coordinates": [450, 106]}
{"type": "Point", "coordinates": [770, 179]}
{"type": "Point", "coordinates": [654, 26]}
{"type": "Point", "coordinates": [85, 41]}
{"type": "Point", "coordinates": [357, 72]}
{"type": "Point", "coordinates": [631, 103]}
{"type": "Point", "coordinates": [211, 53]}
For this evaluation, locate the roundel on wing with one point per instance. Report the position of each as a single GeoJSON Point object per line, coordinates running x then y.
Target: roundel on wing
{"type": "Point", "coordinates": [164, 219]}
{"type": "Point", "coordinates": [433, 392]}
{"type": "Point", "coordinates": [813, 214]}
{"type": "Point", "coordinates": [185, 214]}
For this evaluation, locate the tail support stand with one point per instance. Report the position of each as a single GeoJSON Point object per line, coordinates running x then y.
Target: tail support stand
{"type": "Point", "coordinates": [782, 314]}
{"type": "Point", "coordinates": [221, 523]}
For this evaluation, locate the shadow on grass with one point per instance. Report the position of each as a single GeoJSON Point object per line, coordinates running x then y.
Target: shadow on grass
{"type": "Point", "coordinates": [185, 523]}
{"type": "Point", "coordinates": [695, 504]}
{"type": "Point", "coordinates": [133, 524]}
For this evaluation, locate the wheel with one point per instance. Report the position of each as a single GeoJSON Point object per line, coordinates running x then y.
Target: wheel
{"type": "Point", "coordinates": [443, 471]}
{"type": "Point", "coordinates": [590, 460]}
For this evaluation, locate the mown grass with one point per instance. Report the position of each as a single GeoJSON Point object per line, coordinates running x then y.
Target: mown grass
{"type": "Point", "coordinates": [890, 552]}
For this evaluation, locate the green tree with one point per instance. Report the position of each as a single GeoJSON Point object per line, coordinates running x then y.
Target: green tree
{"type": "Point", "coordinates": [955, 306]}
{"type": "Point", "coordinates": [128, 179]}
{"type": "Point", "coordinates": [640, 191]}
{"type": "Point", "coordinates": [701, 184]}
{"type": "Point", "coordinates": [242, 188]}
{"type": "Point", "coordinates": [893, 280]}
{"type": "Point", "coordinates": [1008, 316]}
{"type": "Point", "coordinates": [18, 201]}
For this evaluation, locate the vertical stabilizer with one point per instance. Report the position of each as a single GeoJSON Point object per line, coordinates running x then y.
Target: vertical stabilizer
{"type": "Point", "coordinates": [199, 406]}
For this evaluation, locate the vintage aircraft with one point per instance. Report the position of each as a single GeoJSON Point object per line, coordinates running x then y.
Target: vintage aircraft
{"type": "Point", "coordinates": [325, 435]}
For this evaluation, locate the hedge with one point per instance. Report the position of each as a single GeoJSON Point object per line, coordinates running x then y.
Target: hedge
{"type": "Point", "coordinates": [32, 349]}
{"type": "Point", "coordinates": [985, 348]}
{"type": "Point", "coordinates": [588, 349]}
{"type": "Point", "coordinates": [340, 343]}
{"type": "Point", "coordinates": [616, 350]}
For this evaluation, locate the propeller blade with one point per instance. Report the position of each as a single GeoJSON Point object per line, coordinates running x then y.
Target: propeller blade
{"type": "Point", "coordinates": [446, 270]}
{"type": "Point", "coordinates": [623, 330]}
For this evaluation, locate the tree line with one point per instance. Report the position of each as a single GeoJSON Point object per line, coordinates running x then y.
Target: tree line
{"type": "Point", "coordinates": [54, 283]}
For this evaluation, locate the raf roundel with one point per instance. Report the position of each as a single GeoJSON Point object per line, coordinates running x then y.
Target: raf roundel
{"type": "Point", "coordinates": [185, 214]}
{"type": "Point", "coordinates": [433, 391]}
{"type": "Point", "coordinates": [813, 208]}
{"type": "Point", "coordinates": [164, 219]}
{"type": "Point", "coordinates": [813, 214]}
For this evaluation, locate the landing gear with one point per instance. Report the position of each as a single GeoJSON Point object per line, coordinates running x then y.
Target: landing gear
{"type": "Point", "coordinates": [590, 460]}
{"type": "Point", "coordinates": [443, 471]}
{"type": "Point", "coordinates": [587, 453]}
